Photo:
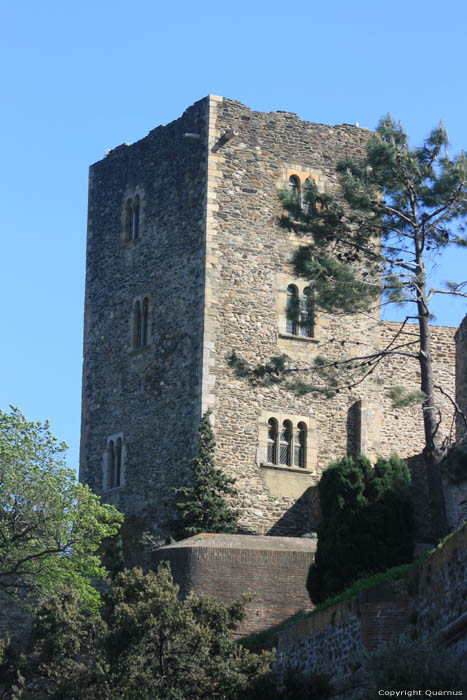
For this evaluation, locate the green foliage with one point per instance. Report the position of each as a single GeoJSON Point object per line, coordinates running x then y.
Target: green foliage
{"type": "Point", "coordinates": [401, 398]}
{"type": "Point", "coordinates": [415, 198]}
{"type": "Point", "coordinates": [376, 242]}
{"type": "Point", "coordinates": [201, 507]}
{"type": "Point", "coordinates": [367, 525]}
{"type": "Point", "coordinates": [415, 664]}
{"type": "Point", "coordinates": [51, 526]}
{"type": "Point", "coordinates": [294, 686]}
{"type": "Point", "coordinates": [455, 464]}
{"type": "Point", "coordinates": [145, 644]}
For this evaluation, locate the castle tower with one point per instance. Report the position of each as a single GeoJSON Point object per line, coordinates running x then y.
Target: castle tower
{"type": "Point", "coordinates": [186, 263]}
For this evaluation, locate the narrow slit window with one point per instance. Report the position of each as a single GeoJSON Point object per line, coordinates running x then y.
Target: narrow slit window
{"type": "Point", "coordinates": [144, 327]}
{"type": "Point", "coordinates": [285, 443]}
{"type": "Point", "coordinates": [306, 313]}
{"type": "Point", "coordinates": [135, 218]}
{"type": "Point", "coordinates": [137, 324]}
{"type": "Point", "coordinates": [300, 446]}
{"type": "Point", "coordinates": [111, 464]}
{"type": "Point", "coordinates": [128, 220]}
{"type": "Point", "coordinates": [118, 463]}
{"type": "Point", "coordinates": [292, 310]}
{"type": "Point", "coordinates": [272, 441]}
{"type": "Point", "coordinates": [307, 186]}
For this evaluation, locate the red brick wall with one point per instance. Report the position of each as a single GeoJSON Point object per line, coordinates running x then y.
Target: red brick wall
{"type": "Point", "coordinates": [275, 579]}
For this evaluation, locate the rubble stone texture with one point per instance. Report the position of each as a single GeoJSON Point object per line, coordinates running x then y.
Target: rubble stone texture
{"type": "Point", "coordinates": [214, 266]}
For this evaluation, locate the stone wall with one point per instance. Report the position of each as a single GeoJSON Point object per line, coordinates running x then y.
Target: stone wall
{"type": "Point", "coordinates": [214, 265]}
{"type": "Point", "coordinates": [461, 376]}
{"type": "Point", "coordinates": [245, 313]}
{"type": "Point", "coordinates": [150, 396]}
{"type": "Point", "coordinates": [429, 603]}
{"type": "Point", "coordinates": [272, 570]}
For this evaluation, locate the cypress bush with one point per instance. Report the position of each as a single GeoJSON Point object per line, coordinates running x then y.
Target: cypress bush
{"type": "Point", "coordinates": [367, 523]}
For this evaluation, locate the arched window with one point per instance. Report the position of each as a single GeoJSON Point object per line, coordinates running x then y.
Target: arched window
{"type": "Point", "coordinates": [292, 310]}
{"type": "Point", "coordinates": [137, 325]}
{"type": "Point", "coordinates": [307, 313]}
{"type": "Point", "coordinates": [135, 218]}
{"type": "Point", "coordinates": [144, 327]}
{"type": "Point", "coordinates": [307, 185]}
{"type": "Point", "coordinates": [111, 464]}
{"type": "Point", "coordinates": [300, 446]}
{"type": "Point", "coordinates": [294, 185]}
{"type": "Point", "coordinates": [118, 463]}
{"type": "Point", "coordinates": [128, 220]}
{"type": "Point", "coordinates": [272, 441]}
{"type": "Point", "coordinates": [285, 443]}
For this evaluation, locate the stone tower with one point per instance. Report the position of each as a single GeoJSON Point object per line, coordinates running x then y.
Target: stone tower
{"type": "Point", "coordinates": [186, 262]}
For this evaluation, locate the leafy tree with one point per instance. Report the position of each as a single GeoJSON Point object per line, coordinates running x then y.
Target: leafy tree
{"type": "Point", "coordinates": [201, 507]}
{"type": "Point", "coordinates": [367, 524]}
{"type": "Point", "coordinates": [144, 644]}
{"type": "Point", "coordinates": [50, 525]}
{"type": "Point", "coordinates": [375, 243]}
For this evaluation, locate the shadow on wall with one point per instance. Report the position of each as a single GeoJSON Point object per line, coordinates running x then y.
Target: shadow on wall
{"type": "Point", "coordinates": [302, 518]}
{"type": "Point", "coordinates": [305, 515]}
{"type": "Point", "coordinates": [423, 518]}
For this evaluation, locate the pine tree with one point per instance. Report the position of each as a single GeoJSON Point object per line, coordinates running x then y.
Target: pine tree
{"type": "Point", "coordinates": [374, 243]}
{"type": "Point", "coordinates": [201, 507]}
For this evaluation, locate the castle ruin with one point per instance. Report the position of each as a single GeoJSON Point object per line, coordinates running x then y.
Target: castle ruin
{"type": "Point", "coordinates": [186, 262]}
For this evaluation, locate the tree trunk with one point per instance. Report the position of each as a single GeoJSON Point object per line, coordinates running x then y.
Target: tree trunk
{"type": "Point", "coordinates": [432, 453]}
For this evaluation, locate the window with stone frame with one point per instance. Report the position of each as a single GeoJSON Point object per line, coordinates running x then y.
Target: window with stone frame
{"type": "Point", "coordinates": [113, 478]}
{"type": "Point", "coordinates": [132, 210]}
{"type": "Point", "coordinates": [307, 314]}
{"type": "Point", "coordinates": [272, 441]}
{"type": "Point", "coordinates": [300, 312]}
{"type": "Point", "coordinates": [293, 310]}
{"type": "Point", "coordinates": [294, 186]}
{"type": "Point", "coordinates": [287, 444]}
{"type": "Point", "coordinates": [140, 323]}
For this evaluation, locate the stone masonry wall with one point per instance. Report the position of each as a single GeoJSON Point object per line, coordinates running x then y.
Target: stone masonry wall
{"type": "Point", "coordinates": [247, 280]}
{"type": "Point", "coordinates": [149, 396]}
{"type": "Point", "coordinates": [215, 265]}
{"type": "Point", "coordinates": [461, 376]}
{"type": "Point", "coordinates": [429, 603]}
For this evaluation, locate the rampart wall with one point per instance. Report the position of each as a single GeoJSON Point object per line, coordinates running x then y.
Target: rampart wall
{"type": "Point", "coordinates": [430, 602]}
{"type": "Point", "coordinates": [272, 570]}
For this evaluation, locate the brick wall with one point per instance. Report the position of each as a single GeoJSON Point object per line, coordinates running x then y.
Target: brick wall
{"type": "Point", "coordinates": [271, 569]}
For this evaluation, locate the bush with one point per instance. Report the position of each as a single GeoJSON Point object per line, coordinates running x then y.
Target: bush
{"type": "Point", "coordinates": [367, 526]}
{"type": "Point", "coordinates": [202, 507]}
{"type": "Point", "coordinates": [414, 664]}
{"type": "Point", "coordinates": [295, 686]}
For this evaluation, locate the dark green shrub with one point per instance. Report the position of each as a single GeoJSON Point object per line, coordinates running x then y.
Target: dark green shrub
{"type": "Point", "coordinates": [368, 523]}
{"type": "Point", "coordinates": [144, 644]}
{"type": "Point", "coordinates": [296, 686]}
{"type": "Point", "coordinates": [202, 507]}
{"type": "Point", "coordinates": [412, 663]}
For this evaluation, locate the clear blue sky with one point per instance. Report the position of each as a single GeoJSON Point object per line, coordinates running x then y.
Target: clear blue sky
{"type": "Point", "coordinates": [79, 77]}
